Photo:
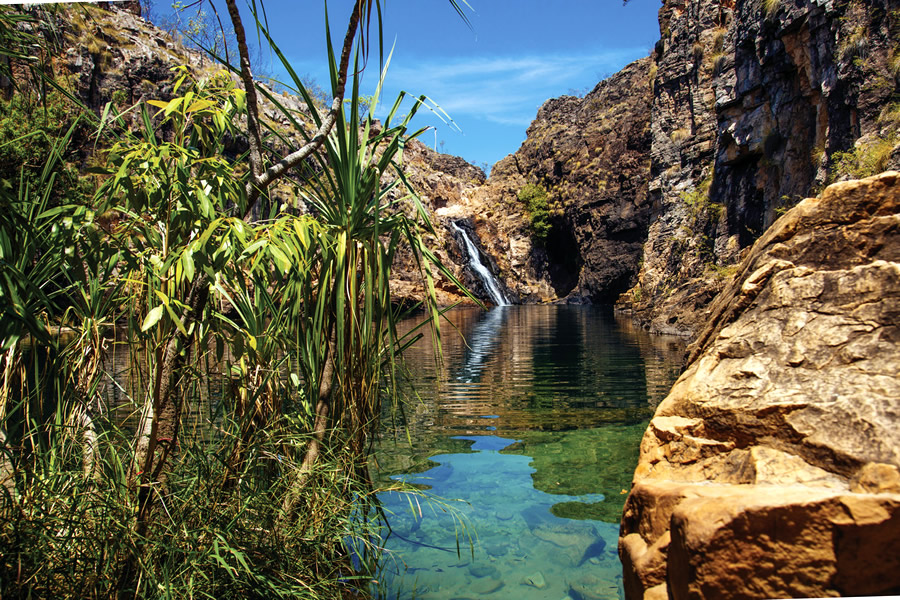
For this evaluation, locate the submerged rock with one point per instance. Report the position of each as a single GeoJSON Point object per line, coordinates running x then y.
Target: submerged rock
{"type": "Point", "coordinates": [482, 570]}
{"type": "Point", "coordinates": [593, 552]}
{"type": "Point", "coordinates": [590, 587]}
{"type": "Point", "coordinates": [486, 586]}
{"type": "Point", "coordinates": [565, 534]}
{"type": "Point", "coordinates": [536, 580]}
{"type": "Point", "coordinates": [772, 469]}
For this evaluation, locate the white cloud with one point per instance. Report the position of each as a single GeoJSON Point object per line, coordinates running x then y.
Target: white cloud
{"type": "Point", "coordinates": [505, 90]}
{"type": "Point", "coordinates": [491, 99]}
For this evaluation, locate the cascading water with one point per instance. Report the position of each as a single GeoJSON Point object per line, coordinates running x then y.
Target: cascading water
{"type": "Point", "coordinates": [490, 282]}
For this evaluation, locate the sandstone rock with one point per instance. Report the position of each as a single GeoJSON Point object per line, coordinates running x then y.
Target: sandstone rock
{"type": "Point", "coordinates": [590, 155]}
{"type": "Point", "coordinates": [772, 469]}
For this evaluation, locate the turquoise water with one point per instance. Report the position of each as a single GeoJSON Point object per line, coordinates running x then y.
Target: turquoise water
{"type": "Point", "coordinates": [522, 442]}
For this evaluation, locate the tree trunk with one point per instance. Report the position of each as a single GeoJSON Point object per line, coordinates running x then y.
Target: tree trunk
{"type": "Point", "coordinates": [320, 426]}
{"type": "Point", "coordinates": [157, 439]}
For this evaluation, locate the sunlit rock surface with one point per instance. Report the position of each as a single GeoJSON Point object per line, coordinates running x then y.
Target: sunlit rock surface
{"type": "Point", "coordinates": [771, 469]}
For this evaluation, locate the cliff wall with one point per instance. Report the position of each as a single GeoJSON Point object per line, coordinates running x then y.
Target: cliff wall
{"type": "Point", "coordinates": [754, 103]}
{"type": "Point", "coordinates": [590, 156]}
{"type": "Point", "coordinates": [664, 175]}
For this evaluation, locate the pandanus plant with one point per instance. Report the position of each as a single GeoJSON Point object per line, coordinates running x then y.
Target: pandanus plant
{"type": "Point", "coordinates": [325, 276]}
{"type": "Point", "coordinates": [298, 307]}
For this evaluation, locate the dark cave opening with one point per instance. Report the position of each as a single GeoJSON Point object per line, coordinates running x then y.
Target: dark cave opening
{"type": "Point", "coordinates": [563, 259]}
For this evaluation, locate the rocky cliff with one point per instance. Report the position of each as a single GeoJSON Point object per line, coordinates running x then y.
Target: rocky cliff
{"type": "Point", "coordinates": [590, 157]}
{"type": "Point", "coordinates": [755, 105]}
{"type": "Point", "coordinates": [772, 469]}
{"type": "Point", "coordinates": [662, 176]}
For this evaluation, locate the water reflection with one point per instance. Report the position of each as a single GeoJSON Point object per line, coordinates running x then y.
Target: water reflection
{"type": "Point", "coordinates": [482, 341]}
{"type": "Point", "coordinates": [534, 425]}
{"type": "Point", "coordinates": [537, 368]}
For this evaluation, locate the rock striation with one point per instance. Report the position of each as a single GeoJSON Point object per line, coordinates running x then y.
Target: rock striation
{"type": "Point", "coordinates": [756, 105]}
{"type": "Point", "coordinates": [662, 177]}
{"type": "Point", "coordinates": [772, 469]}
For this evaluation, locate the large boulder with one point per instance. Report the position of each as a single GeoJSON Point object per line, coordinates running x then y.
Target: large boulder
{"type": "Point", "coordinates": [772, 469]}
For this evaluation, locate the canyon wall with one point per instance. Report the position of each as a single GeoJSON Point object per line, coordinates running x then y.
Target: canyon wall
{"type": "Point", "coordinates": [589, 156]}
{"type": "Point", "coordinates": [664, 175]}
{"type": "Point", "coordinates": [754, 103]}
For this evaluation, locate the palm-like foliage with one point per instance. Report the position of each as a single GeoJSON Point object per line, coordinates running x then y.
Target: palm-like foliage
{"type": "Point", "coordinates": [297, 309]}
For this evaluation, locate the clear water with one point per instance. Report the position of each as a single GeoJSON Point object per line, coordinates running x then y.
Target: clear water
{"type": "Point", "coordinates": [523, 441]}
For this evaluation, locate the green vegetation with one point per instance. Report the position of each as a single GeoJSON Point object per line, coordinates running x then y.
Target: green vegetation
{"type": "Point", "coordinates": [718, 43]}
{"type": "Point", "coordinates": [231, 461]}
{"type": "Point", "coordinates": [722, 272]}
{"type": "Point", "coordinates": [894, 63]}
{"type": "Point", "coordinates": [700, 205]}
{"type": "Point", "coordinates": [680, 135]}
{"type": "Point", "coordinates": [29, 128]}
{"type": "Point", "coordinates": [718, 63]}
{"type": "Point", "coordinates": [855, 46]}
{"type": "Point", "coordinates": [867, 158]}
{"type": "Point", "coordinates": [786, 203]}
{"type": "Point", "coordinates": [538, 207]}
{"type": "Point", "coordinates": [697, 52]}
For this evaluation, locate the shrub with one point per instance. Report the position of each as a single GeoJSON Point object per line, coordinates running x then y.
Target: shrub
{"type": "Point", "coordinates": [699, 203]}
{"type": "Point", "coordinates": [29, 128]}
{"type": "Point", "coordinates": [864, 160]}
{"type": "Point", "coordinates": [718, 63]}
{"type": "Point", "coordinates": [856, 45]}
{"type": "Point", "coordinates": [718, 43]}
{"type": "Point", "coordinates": [536, 204]}
{"type": "Point", "coordinates": [680, 135]}
{"type": "Point", "coordinates": [697, 52]}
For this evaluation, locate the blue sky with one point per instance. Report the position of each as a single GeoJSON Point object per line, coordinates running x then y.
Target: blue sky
{"type": "Point", "coordinates": [490, 78]}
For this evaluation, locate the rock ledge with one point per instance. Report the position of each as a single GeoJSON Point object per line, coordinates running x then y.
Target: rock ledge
{"type": "Point", "coordinates": [772, 469]}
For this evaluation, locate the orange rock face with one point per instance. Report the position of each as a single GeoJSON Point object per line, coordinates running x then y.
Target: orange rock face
{"type": "Point", "coordinates": [772, 469]}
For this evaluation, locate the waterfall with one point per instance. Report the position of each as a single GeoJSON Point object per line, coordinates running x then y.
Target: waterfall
{"type": "Point", "coordinates": [490, 282]}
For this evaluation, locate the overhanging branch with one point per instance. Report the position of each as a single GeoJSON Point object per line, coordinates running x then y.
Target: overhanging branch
{"type": "Point", "coordinates": [261, 179]}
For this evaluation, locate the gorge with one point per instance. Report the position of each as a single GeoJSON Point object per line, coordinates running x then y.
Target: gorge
{"type": "Point", "coordinates": [771, 468]}
{"type": "Point", "coordinates": [736, 188]}
{"type": "Point", "coordinates": [661, 177]}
